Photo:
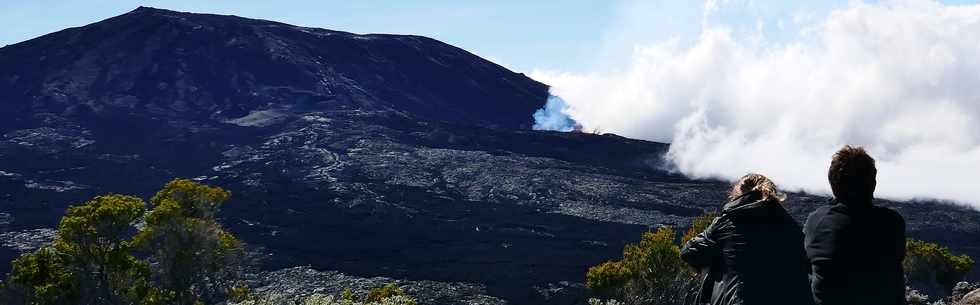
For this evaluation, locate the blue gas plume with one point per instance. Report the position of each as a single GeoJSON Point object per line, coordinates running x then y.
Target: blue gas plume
{"type": "Point", "coordinates": [554, 116]}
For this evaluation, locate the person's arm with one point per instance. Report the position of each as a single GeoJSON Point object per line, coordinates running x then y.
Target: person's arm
{"type": "Point", "coordinates": [818, 245]}
{"type": "Point", "coordinates": [898, 280]}
{"type": "Point", "coordinates": [900, 243]}
{"type": "Point", "coordinates": [817, 239]}
{"type": "Point", "coordinates": [701, 250]}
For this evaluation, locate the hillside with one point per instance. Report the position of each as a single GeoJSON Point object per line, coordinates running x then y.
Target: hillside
{"type": "Point", "coordinates": [371, 155]}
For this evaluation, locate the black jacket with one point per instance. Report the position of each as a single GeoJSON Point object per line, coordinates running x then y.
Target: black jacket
{"type": "Point", "coordinates": [755, 255]}
{"type": "Point", "coordinates": [856, 253]}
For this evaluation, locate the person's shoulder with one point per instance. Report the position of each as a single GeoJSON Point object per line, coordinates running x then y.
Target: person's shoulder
{"type": "Point", "coordinates": [886, 212]}
{"type": "Point", "coordinates": [722, 222]}
{"type": "Point", "coordinates": [889, 214]}
{"type": "Point", "coordinates": [815, 218]}
{"type": "Point", "coordinates": [824, 209]}
{"type": "Point", "coordinates": [819, 212]}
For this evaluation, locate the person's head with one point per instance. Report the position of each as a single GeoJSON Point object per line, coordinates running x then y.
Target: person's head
{"type": "Point", "coordinates": [852, 175]}
{"type": "Point", "coordinates": [755, 183]}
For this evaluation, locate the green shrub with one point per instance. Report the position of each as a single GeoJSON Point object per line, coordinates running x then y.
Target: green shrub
{"type": "Point", "coordinates": [90, 260]}
{"type": "Point", "coordinates": [191, 254]}
{"type": "Point", "coordinates": [45, 278]}
{"type": "Point", "coordinates": [651, 272]}
{"type": "Point", "coordinates": [92, 239]}
{"type": "Point", "coordinates": [189, 258]}
{"type": "Point", "coordinates": [609, 278]}
{"type": "Point", "coordinates": [388, 291]}
{"type": "Point", "coordinates": [929, 263]}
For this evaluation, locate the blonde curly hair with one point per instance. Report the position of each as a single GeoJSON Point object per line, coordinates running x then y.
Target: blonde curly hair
{"type": "Point", "coordinates": [756, 182]}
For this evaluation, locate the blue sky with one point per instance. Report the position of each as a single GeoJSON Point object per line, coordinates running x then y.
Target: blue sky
{"type": "Point", "coordinates": [568, 35]}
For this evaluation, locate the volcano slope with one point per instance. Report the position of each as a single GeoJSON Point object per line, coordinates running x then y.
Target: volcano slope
{"type": "Point", "coordinates": [371, 155]}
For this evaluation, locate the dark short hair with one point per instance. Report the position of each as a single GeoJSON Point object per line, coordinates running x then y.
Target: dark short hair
{"type": "Point", "coordinates": [852, 175]}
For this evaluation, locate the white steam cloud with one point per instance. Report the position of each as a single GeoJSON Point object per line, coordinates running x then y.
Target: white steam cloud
{"type": "Point", "coordinates": [553, 117]}
{"type": "Point", "coordinates": [900, 78]}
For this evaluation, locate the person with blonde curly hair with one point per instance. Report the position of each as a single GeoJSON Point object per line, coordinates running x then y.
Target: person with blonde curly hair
{"type": "Point", "coordinates": [753, 252]}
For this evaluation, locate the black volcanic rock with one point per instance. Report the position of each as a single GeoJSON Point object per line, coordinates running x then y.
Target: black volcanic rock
{"type": "Point", "coordinates": [298, 282]}
{"type": "Point", "coordinates": [181, 66]}
{"type": "Point", "coordinates": [370, 155]}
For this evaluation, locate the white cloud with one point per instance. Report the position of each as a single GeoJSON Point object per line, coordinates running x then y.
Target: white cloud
{"type": "Point", "coordinates": [900, 78]}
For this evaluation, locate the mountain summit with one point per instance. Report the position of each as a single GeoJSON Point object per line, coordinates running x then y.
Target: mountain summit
{"type": "Point", "coordinates": [372, 155]}
{"type": "Point", "coordinates": [163, 63]}
{"type": "Point", "coordinates": [369, 155]}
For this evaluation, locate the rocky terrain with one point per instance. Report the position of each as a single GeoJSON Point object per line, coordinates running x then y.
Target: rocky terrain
{"type": "Point", "coordinates": [354, 156]}
{"type": "Point", "coordinates": [298, 282]}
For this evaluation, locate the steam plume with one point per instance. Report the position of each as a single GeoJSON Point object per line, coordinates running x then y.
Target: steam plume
{"type": "Point", "coordinates": [900, 78]}
{"type": "Point", "coordinates": [553, 117]}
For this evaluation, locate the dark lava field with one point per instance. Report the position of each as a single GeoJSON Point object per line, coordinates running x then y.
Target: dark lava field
{"type": "Point", "coordinates": [354, 155]}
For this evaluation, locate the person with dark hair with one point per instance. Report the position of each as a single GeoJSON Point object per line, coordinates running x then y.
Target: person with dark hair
{"type": "Point", "coordinates": [752, 253]}
{"type": "Point", "coordinates": [855, 248]}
